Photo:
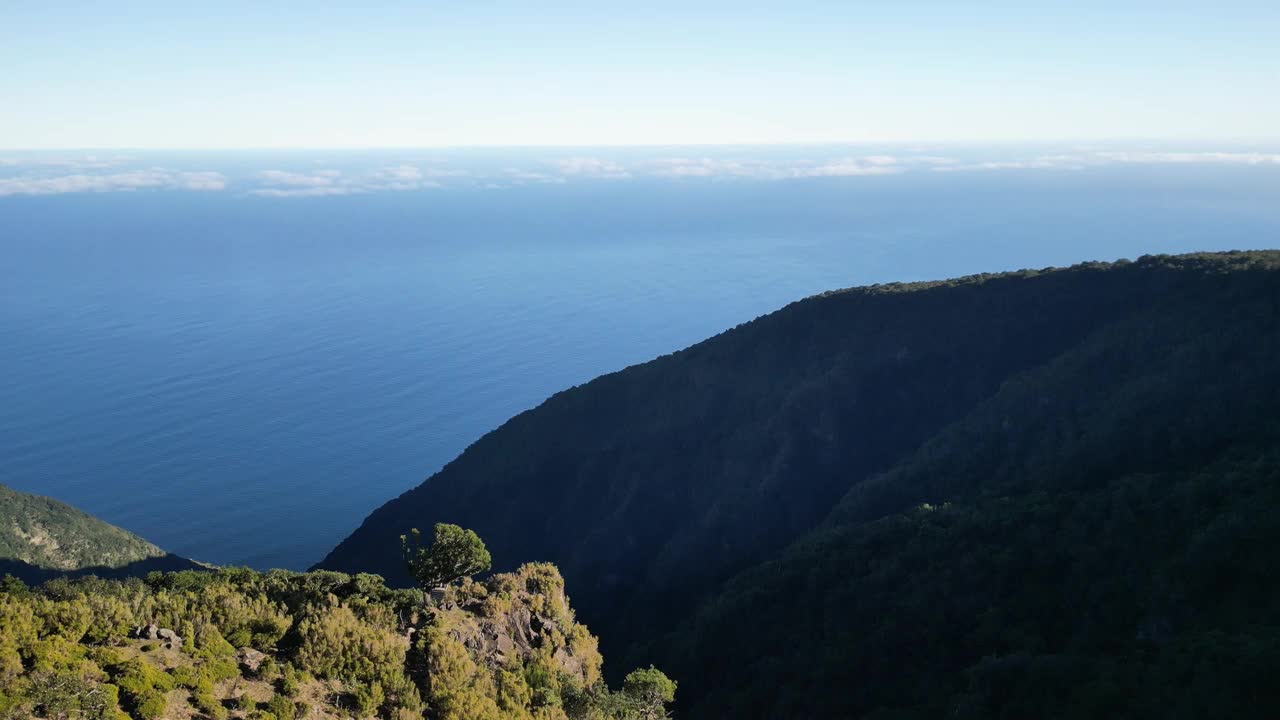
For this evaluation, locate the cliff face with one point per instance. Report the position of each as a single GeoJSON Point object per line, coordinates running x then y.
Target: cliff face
{"type": "Point", "coordinates": [42, 538]}
{"type": "Point", "coordinates": [652, 488]}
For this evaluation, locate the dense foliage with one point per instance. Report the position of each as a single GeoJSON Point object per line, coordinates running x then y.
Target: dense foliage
{"type": "Point", "coordinates": [1036, 479]}
{"type": "Point", "coordinates": [236, 643]}
{"type": "Point", "coordinates": [42, 538]}
{"type": "Point", "coordinates": [1152, 595]}
{"type": "Point", "coordinates": [453, 554]}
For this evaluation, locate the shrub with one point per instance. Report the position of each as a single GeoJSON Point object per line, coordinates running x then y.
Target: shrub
{"type": "Point", "coordinates": [151, 705]}
{"type": "Point", "coordinates": [206, 703]}
{"type": "Point", "coordinates": [186, 676]}
{"type": "Point", "coordinates": [288, 683]}
{"type": "Point", "coordinates": [220, 669]}
{"type": "Point", "coordinates": [368, 698]}
{"type": "Point", "coordinates": [282, 708]}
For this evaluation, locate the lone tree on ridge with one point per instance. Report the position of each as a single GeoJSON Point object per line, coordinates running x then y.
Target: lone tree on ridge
{"type": "Point", "coordinates": [456, 553]}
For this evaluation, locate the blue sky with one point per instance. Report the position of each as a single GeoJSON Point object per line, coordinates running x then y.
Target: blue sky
{"type": "Point", "coordinates": [433, 74]}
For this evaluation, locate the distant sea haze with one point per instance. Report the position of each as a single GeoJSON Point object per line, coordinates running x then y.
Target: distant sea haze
{"type": "Point", "coordinates": [241, 376]}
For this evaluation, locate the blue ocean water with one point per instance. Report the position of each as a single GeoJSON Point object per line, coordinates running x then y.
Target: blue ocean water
{"type": "Point", "coordinates": [241, 378]}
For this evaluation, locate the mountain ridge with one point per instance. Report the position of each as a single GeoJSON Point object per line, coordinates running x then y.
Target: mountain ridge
{"type": "Point", "coordinates": [42, 538]}
{"type": "Point", "coordinates": [652, 486]}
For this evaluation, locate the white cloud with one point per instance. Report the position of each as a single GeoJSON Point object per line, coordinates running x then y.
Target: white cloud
{"type": "Point", "coordinates": [400, 173]}
{"type": "Point", "coordinates": [89, 161]}
{"type": "Point", "coordinates": [679, 167]}
{"type": "Point", "coordinates": [521, 177]}
{"type": "Point", "coordinates": [709, 167]}
{"type": "Point", "coordinates": [201, 181]}
{"type": "Point", "coordinates": [1215, 158]}
{"type": "Point", "coordinates": [931, 160]}
{"type": "Point", "coordinates": [153, 178]}
{"type": "Point", "coordinates": [322, 178]}
{"type": "Point", "coordinates": [1082, 160]}
{"type": "Point", "coordinates": [1053, 162]}
{"type": "Point", "coordinates": [401, 177]}
{"type": "Point", "coordinates": [852, 167]}
{"type": "Point", "coordinates": [592, 167]}
{"type": "Point", "coordinates": [321, 183]}
{"type": "Point", "coordinates": [302, 192]}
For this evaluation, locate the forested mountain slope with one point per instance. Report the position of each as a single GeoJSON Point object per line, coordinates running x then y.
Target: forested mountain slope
{"type": "Point", "coordinates": [42, 538]}
{"type": "Point", "coordinates": [653, 486]}
{"type": "Point", "coordinates": [1095, 540]}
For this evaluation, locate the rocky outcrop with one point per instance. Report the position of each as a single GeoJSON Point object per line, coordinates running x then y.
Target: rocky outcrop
{"type": "Point", "coordinates": [152, 631]}
{"type": "Point", "coordinates": [519, 616]}
{"type": "Point", "coordinates": [250, 659]}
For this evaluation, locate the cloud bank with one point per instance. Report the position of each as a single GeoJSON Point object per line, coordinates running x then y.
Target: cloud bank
{"type": "Point", "coordinates": [153, 178]}
{"type": "Point", "coordinates": [1098, 158]}
{"type": "Point", "coordinates": [592, 167]}
{"type": "Point", "coordinates": [52, 174]}
{"type": "Point", "coordinates": [320, 183]}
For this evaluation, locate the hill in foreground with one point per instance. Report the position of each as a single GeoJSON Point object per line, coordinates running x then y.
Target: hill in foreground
{"type": "Point", "coordinates": [42, 538]}
{"type": "Point", "coordinates": [1040, 492]}
{"type": "Point", "coordinates": [235, 643]}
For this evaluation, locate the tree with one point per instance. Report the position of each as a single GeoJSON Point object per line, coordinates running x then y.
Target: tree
{"type": "Point", "coordinates": [649, 690]}
{"type": "Point", "coordinates": [456, 553]}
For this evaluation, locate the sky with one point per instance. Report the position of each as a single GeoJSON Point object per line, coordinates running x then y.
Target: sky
{"type": "Point", "coordinates": [165, 75]}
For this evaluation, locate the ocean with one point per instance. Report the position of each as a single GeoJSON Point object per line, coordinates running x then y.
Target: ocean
{"type": "Point", "coordinates": [238, 361]}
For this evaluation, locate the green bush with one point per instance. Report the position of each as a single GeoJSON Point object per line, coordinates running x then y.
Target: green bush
{"type": "Point", "coordinates": [282, 708]}
{"type": "Point", "coordinates": [220, 669]}
{"type": "Point", "coordinates": [367, 699]}
{"type": "Point", "coordinates": [288, 683]}
{"type": "Point", "coordinates": [186, 676]}
{"type": "Point", "coordinates": [202, 697]}
{"type": "Point", "coordinates": [150, 705]}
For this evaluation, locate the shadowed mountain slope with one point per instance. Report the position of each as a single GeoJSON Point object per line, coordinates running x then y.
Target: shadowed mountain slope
{"type": "Point", "coordinates": [653, 486]}
{"type": "Point", "coordinates": [1095, 540]}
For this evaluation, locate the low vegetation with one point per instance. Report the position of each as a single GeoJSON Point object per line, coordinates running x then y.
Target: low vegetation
{"type": "Point", "coordinates": [235, 643]}
{"type": "Point", "coordinates": [42, 538]}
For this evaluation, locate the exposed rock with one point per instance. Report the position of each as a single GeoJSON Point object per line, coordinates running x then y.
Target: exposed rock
{"type": "Point", "coordinates": [517, 616]}
{"type": "Point", "coordinates": [152, 632]}
{"type": "Point", "coordinates": [250, 659]}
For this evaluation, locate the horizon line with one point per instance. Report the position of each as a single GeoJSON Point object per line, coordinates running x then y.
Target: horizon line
{"type": "Point", "coordinates": [641, 145]}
